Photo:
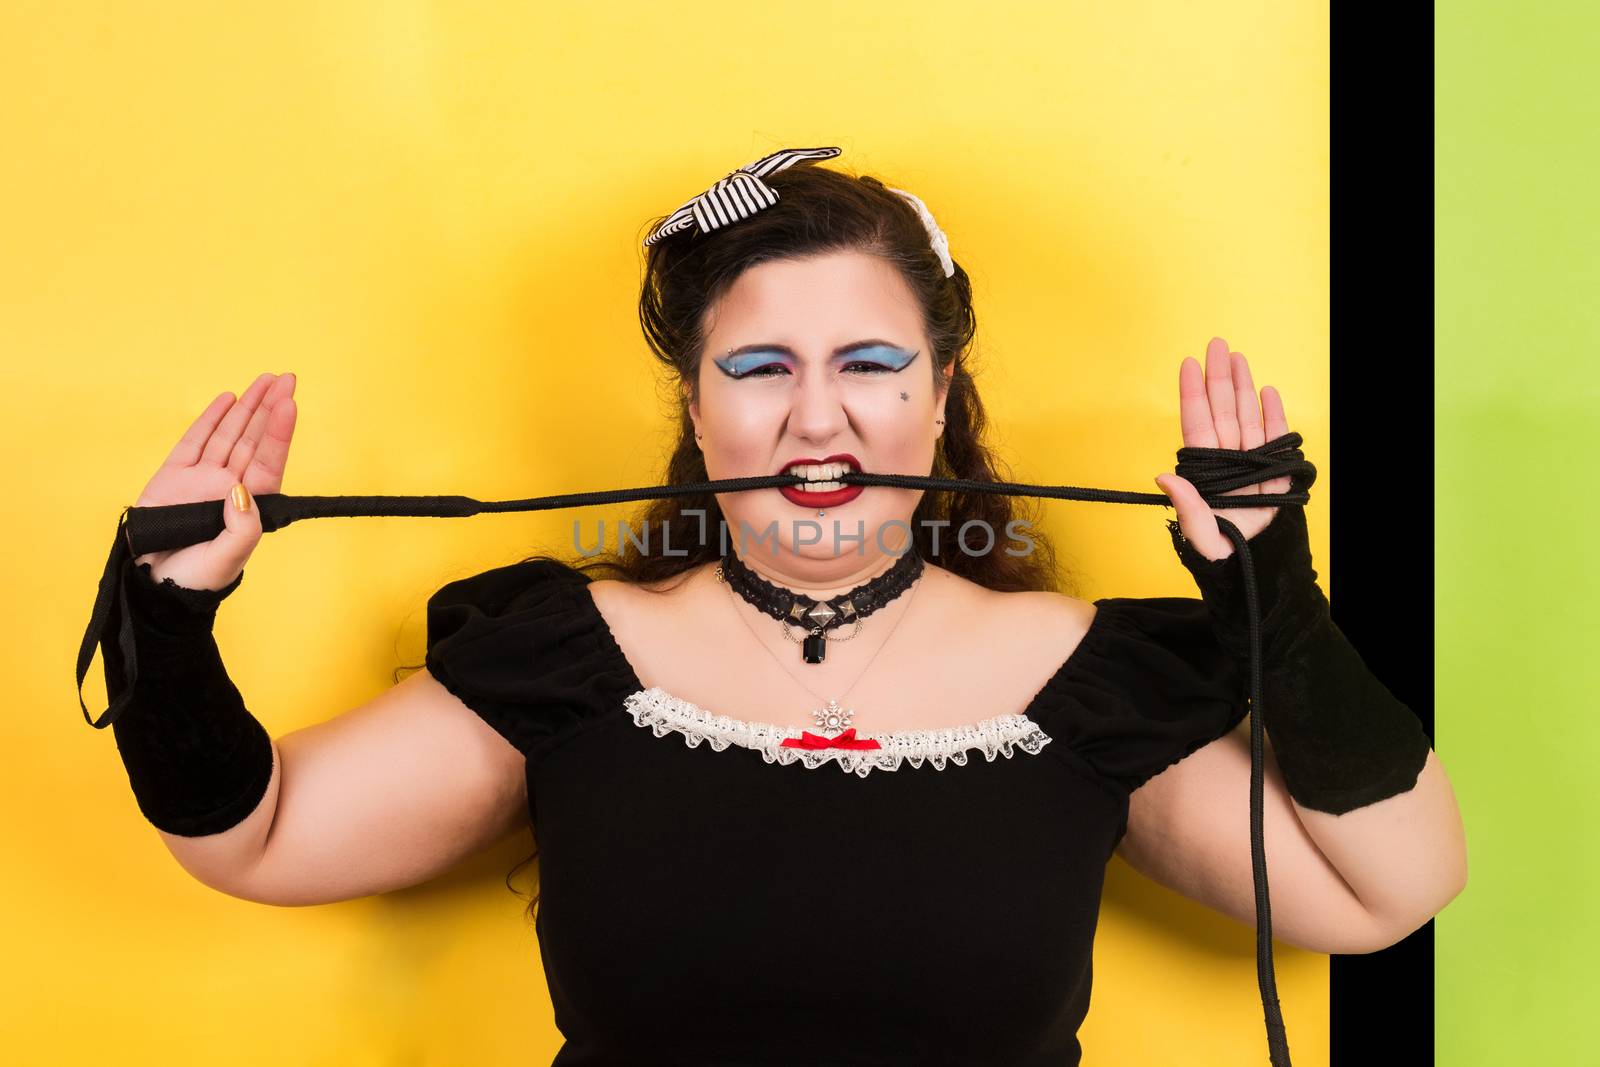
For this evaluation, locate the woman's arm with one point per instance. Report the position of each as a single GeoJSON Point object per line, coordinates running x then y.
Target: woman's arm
{"type": "Point", "coordinates": [1351, 762]}
{"type": "Point", "coordinates": [387, 795]}
{"type": "Point", "coordinates": [1349, 884]}
{"type": "Point", "coordinates": [218, 859]}
{"type": "Point", "coordinates": [1405, 856]}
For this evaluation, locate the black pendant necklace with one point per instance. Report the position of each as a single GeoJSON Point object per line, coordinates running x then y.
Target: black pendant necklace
{"type": "Point", "coordinates": [817, 618]}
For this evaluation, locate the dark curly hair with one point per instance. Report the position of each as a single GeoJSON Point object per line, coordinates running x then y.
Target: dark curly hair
{"type": "Point", "coordinates": [821, 211]}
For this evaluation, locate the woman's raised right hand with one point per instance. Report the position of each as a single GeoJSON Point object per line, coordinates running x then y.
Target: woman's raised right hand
{"type": "Point", "coordinates": [233, 442]}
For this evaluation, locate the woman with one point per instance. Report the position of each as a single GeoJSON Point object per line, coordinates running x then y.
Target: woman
{"type": "Point", "coordinates": [712, 888]}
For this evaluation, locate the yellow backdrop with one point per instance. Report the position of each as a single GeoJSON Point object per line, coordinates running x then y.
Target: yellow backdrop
{"type": "Point", "coordinates": [431, 213]}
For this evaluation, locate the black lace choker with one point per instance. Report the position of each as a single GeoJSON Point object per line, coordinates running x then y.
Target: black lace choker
{"type": "Point", "coordinates": [819, 617]}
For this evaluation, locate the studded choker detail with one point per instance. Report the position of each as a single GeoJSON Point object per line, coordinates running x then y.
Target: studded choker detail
{"type": "Point", "coordinates": [817, 618]}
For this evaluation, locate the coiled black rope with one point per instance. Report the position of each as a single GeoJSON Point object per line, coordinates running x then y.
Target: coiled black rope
{"type": "Point", "coordinates": [1212, 471]}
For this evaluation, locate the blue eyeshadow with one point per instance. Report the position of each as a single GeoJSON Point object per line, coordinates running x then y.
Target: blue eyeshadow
{"type": "Point", "coordinates": [746, 361]}
{"type": "Point", "coordinates": [893, 358]}
{"type": "Point", "coordinates": [887, 356]}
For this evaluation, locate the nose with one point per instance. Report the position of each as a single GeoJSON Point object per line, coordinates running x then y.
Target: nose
{"type": "Point", "coordinates": [817, 415]}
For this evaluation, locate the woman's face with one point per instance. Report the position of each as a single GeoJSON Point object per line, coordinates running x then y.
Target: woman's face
{"type": "Point", "coordinates": [809, 359]}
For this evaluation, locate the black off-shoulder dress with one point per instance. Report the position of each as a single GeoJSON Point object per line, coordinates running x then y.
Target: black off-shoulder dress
{"type": "Point", "coordinates": [710, 895]}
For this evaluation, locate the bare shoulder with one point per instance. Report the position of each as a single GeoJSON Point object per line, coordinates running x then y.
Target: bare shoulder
{"type": "Point", "coordinates": [619, 599]}
{"type": "Point", "coordinates": [1054, 617]}
{"type": "Point", "coordinates": [655, 623]}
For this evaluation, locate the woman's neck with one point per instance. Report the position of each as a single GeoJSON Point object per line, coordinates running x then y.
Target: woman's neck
{"type": "Point", "coordinates": [818, 579]}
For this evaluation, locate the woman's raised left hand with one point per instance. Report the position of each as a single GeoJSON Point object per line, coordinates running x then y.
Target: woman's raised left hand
{"type": "Point", "coordinates": [1220, 411]}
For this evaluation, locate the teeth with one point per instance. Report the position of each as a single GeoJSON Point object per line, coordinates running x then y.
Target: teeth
{"type": "Point", "coordinates": [820, 472]}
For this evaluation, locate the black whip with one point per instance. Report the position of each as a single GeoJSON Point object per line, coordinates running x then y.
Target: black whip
{"type": "Point", "coordinates": [1212, 471]}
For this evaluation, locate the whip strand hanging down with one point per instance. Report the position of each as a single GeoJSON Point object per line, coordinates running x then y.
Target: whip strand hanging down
{"type": "Point", "coordinates": [1212, 471]}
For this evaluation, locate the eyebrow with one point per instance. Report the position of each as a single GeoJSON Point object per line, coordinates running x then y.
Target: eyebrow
{"type": "Point", "coordinates": [842, 350]}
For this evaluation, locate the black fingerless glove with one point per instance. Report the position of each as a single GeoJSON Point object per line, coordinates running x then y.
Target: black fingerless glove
{"type": "Point", "coordinates": [198, 762]}
{"type": "Point", "coordinates": [1340, 737]}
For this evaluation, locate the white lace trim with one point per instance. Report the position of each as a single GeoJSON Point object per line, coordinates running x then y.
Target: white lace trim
{"type": "Point", "coordinates": [663, 713]}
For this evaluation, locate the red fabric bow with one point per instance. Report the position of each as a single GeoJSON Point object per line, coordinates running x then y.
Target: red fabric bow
{"type": "Point", "coordinates": [848, 739]}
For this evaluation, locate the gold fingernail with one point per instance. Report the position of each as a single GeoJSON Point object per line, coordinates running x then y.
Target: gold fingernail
{"type": "Point", "coordinates": [241, 497]}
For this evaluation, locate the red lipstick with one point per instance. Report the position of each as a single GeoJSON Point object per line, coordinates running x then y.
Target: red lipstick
{"type": "Point", "coordinates": [797, 495]}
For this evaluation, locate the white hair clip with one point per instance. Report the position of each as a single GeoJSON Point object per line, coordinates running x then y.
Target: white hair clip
{"type": "Point", "coordinates": [936, 237]}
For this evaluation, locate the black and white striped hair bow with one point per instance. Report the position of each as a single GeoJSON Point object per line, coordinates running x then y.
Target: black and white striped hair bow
{"type": "Point", "coordinates": [742, 193]}
{"type": "Point", "coordinates": [738, 196]}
